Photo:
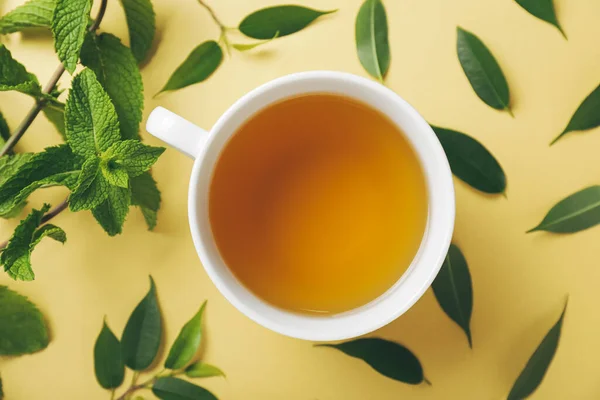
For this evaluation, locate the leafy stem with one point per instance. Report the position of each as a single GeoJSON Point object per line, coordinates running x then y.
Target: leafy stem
{"type": "Point", "coordinates": [221, 25]}
{"type": "Point", "coordinates": [41, 102]}
{"type": "Point", "coordinates": [144, 385]}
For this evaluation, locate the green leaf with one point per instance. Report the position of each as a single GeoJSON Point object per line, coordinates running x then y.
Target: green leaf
{"type": "Point", "coordinates": [471, 162]}
{"type": "Point", "coordinates": [56, 115]}
{"type": "Point", "coordinates": [250, 46]}
{"type": "Point", "coordinates": [203, 370]}
{"type": "Point", "coordinates": [453, 290]}
{"type": "Point", "coordinates": [578, 212]}
{"type": "Point", "coordinates": [143, 332]}
{"type": "Point", "coordinates": [372, 45]}
{"type": "Point", "coordinates": [112, 212]}
{"type": "Point", "coordinates": [54, 166]}
{"type": "Point", "coordinates": [92, 188]}
{"type": "Point", "coordinates": [69, 24]}
{"type": "Point", "coordinates": [169, 388]}
{"type": "Point", "coordinates": [90, 118]}
{"type": "Point", "coordinates": [22, 327]}
{"type": "Point", "coordinates": [108, 362]}
{"type": "Point", "coordinates": [145, 194]}
{"type": "Point", "coordinates": [197, 67]}
{"type": "Point", "coordinates": [134, 156]}
{"type": "Point", "coordinates": [587, 115]}
{"type": "Point", "coordinates": [32, 14]}
{"type": "Point", "coordinates": [4, 132]}
{"type": "Point", "coordinates": [16, 256]}
{"type": "Point", "coordinates": [483, 71]}
{"type": "Point", "coordinates": [117, 71]}
{"type": "Point", "coordinates": [388, 358]}
{"type": "Point", "coordinates": [187, 342]}
{"type": "Point", "coordinates": [283, 20]}
{"type": "Point", "coordinates": [114, 174]}
{"type": "Point", "coordinates": [535, 370]}
{"type": "Point", "coordinates": [542, 9]}
{"type": "Point", "coordinates": [10, 165]}
{"type": "Point", "coordinates": [141, 23]}
{"type": "Point", "coordinates": [14, 76]}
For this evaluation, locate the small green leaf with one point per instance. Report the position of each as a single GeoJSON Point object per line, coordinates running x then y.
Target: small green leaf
{"type": "Point", "coordinates": [69, 24]}
{"type": "Point", "coordinates": [145, 194]}
{"type": "Point", "coordinates": [114, 174]}
{"type": "Point", "coordinates": [112, 212]}
{"type": "Point", "coordinates": [578, 212]}
{"type": "Point", "coordinates": [250, 46]}
{"type": "Point", "coordinates": [14, 76]}
{"type": "Point", "coordinates": [133, 156]}
{"type": "Point", "coordinates": [10, 165]}
{"type": "Point", "coordinates": [187, 342]}
{"type": "Point", "coordinates": [453, 290]}
{"type": "Point", "coordinates": [200, 369]}
{"type": "Point", "coordinates": [22, 327]}
{"type": "Point", "coordinates": [4, 132]}
{"type": "Point", "coordinates": [56, 115]}
{"type": "Point", "coordinates": [108, 361]}
{"type": "Point", "coordinates": [283, 20]}
{"type": "Point", "coordinates": [471, 162]}
{"type": "Point", "coordinates": [143, 332]}
{"type": "Point", "coordinates": [90, 117]}
{"type": "Point", "coordinates": [372, 43]}
{"type": "Point", "coordinates": [542, 9]}
{"type": "Point", "coordinates": [16, 256]}
{"type": "Point", "coordinates": [169, 388]}
{"type": "Point", "coordinates": [118, 73]}
{"type": "Point", "coordinates": [32, 14]}
{"type": "Point", "coordinates": [483, 71]}
{"type": "Point", "coordinates": [587, 115]}
{"type": "Point", "coordinates": [537, 366]}
{"type": "Point", "coordinates": [202, 62]}
{"type": "Point", "coordinates": [390, 359]}
{"type": "Point", "coordinates": [141, 24]}
{"type": "Point", "coordinates": [92, 188]}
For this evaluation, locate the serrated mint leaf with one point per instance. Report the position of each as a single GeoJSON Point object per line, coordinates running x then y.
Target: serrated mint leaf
{"type": "Point", "coordinates": [141, 24]}
{"type": "Point", "coordinates": [55, 113]}
{"type": "Point", "coordinates": [14, 76]}
{"type": "Point", "coordinates": [112, 212]}
{"type": "Point", "coordinates": [91, 189]}
{"type": "Point", "coordinates": [10, 164]}
{"type": "Point", "coordinates": [117, 71]}
{"type": "Point", "coordinates": [69, 24]}
{"type": "Point", "coordinates": [114, 174]}
{"type": "Point", "coordinates": [32, 14]}
{"type": "Point", "coordinates": [145, 195]}
{"type": "Point", "coordinates": [22, 326]}
{"type": "Point", "coordinates": [90, 117]}
{"type": "Point", "coordinates": [54, 166]}
{"type": "Point", "coordinates": [16, 256]}
{"type": "Point", "coordinates": [133, 156]}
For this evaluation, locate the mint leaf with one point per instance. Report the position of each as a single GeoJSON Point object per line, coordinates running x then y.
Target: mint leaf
{"type": "Point", "coordinates": [69, 24]}
{"type": "Point", "coordinates": [134, 156]}
{"type": "Point", "coordinates": [145, 195]}
{"type": "Point", "coordinates": [4, 131]}
{"type": "Point", "coordinates": [16, 256]}
{"type": "Point", "coordinates": [10, 164]}
{"type": "Point", "coordinates": [14, 76]}
{"type": "Point", "coordinates": [54, 166]}
{"type": "Point", "coordinates": [91, 189]}
{"type": "Point", "coordinates": [32, 14]}
{"type": "Point", "coordinates": [55, 113]}
{"type": "Point", "coordinates": [117, 71]}
{"type": "Point", "coordinates": [90, 118]}
{"type": "Point", "coordinates": [22, 326]}
{"type": "Point", "coordinates": [114, 174]}
{"type": "Point", "coordinates": [112, 212]}
{"type": "Point", "coordinates": [141, 23]}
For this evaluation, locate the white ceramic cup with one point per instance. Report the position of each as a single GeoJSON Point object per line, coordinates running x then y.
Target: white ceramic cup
{"type": "Point", "coordinates": [205, 147]}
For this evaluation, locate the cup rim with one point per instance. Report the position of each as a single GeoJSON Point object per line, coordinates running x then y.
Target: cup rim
{"type": "Point", "coordinates": [426, 263]}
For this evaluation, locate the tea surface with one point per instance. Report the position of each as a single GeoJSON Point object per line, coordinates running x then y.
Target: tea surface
{"type": "Point", "coordinates": [318, 204]}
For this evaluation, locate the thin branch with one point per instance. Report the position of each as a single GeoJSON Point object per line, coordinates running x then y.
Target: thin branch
{"type": "Point", "coordinates": [213, 15]}
{"type": "Point", "coordinates": [40, 103]}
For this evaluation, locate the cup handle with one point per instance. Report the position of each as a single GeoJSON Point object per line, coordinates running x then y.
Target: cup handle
{"type": "Point", "coordinates": [176, 131]}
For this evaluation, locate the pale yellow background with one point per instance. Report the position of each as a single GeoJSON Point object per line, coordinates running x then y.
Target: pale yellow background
{"type": "Point", "coordinates": [520, 281]}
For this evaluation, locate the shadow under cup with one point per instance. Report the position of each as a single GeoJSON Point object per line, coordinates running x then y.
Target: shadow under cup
{"type": "Point", "coordinates": [265, 211]}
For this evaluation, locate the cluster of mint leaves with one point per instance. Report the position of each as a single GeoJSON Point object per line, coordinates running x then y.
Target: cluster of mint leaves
{"type": "Point", "coordinates": [103, 164]}
{"type": "Point", "coordinates": [139, 347]}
